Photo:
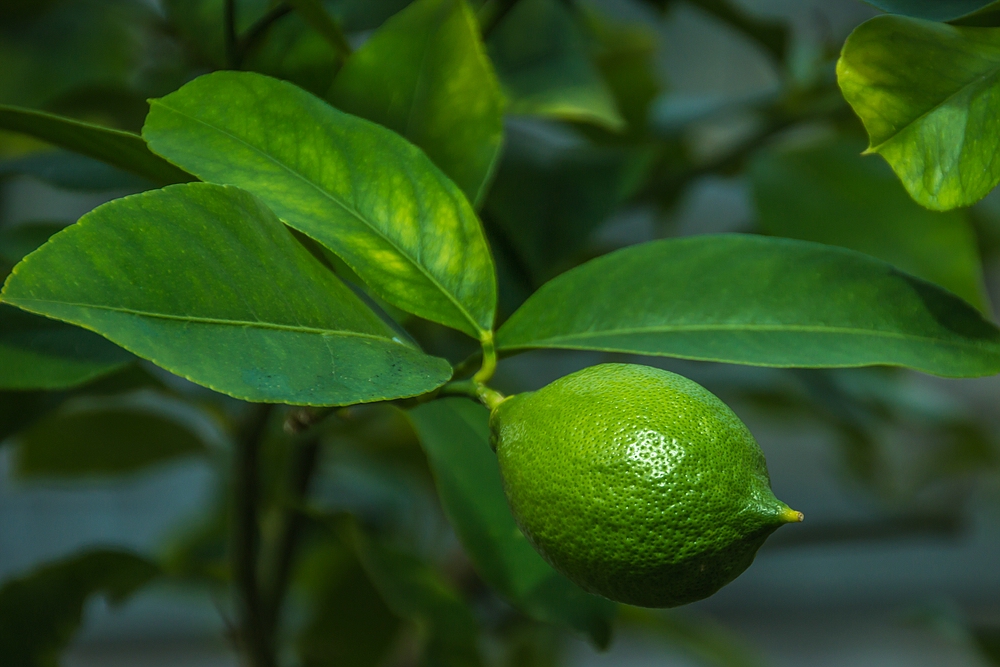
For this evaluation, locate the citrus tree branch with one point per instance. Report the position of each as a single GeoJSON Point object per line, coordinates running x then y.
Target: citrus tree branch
{"type": "Point", "coordinates": [254, 636]}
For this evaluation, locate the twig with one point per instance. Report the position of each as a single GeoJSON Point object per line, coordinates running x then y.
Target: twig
{"type": "Point", "coordinates": [303, 467]}
{"type": "Point", "coordinates": [254, 635]}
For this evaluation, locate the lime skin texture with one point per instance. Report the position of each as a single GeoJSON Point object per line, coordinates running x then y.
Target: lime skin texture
{"type": "Point", "coordinates": [636, 483]}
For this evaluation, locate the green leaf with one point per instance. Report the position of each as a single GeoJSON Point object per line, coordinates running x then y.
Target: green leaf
{"type": "Point", "coordinates": [425, 74]}
{"type": "Point", "coordinates": [760, 301]}
{"type": "Point", "coordinates": [455, 435]}
{"type": "Point", "coordinates": [120, 149]}
{"type": "Point", "coordinates": [829, 194]}
{"type": "Point", "coordinates": [64, 48]}
{"type": "Point", "coordinates": [223, 295]}
{"type": "Point", "coordinates": [314, 14]}
{"type": "Point", "coordinates": [552, 190]}
{"type": "Point", "coordinates": [102, 440]}
{"type": "Point", "coordinates": [348, 624]}
{"type": "Point", "coordinates": [626, 57]}
{"type": "Point", "coordinates": [415, 591]}
{"type": "Point", "coordinates": [927, 93]}
{"type": "Point", "coordinates": [41, 611]}
{"type": "Point", "coordinates": [71, 171]}
{"type": "Point", "coordinates": [932, 10]}
{"type": "Point", "coordinates": [397, 221]}
{"type": "Point", "coordinates": [39, 353]}
{"type": "Point", "coordinates": [542, 58]}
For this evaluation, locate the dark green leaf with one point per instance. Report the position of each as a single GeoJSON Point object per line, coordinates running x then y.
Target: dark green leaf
{"type": "Point", "coordinates": [415, 591]}
{"type": "Point", "coordinates": [927, 94]}
{"type": "Point", "coordinates": [542, 58]}
{"type": "Point", "coordinates": [19, 240]}
{"type": "Point", "coordinates": [124, 150]}
{"type": "Point", "coordinates": [73, 172]}
{"type": "Point", "coordinates": [455, 434]}
{"type": "Point", "coordinates": [314, 14]}
{"type": "Point", "coordinates": [397, 221]}
{"type": "Point", "coordinates": [830, 194]}
{"type": "Point", "coordinates": [552, 191]}
{"type": "Point", "coordinates": [360, 15]}
{"type": "Point", "coordinates": [224, 296]}
{"type": "Point", "coordinates": [626, 57]}
{"type": "Point", "coordinates": [62, 48]}
{"type": "Point", "coordinates": [348, 623]}
{"type": "Point", "coordinates": [425, 75]}
{"type": "Point", "coordinates": [760, 301]}
{"type": "Point", "coordinates": [39, 353]}
{"type": "Point", "coordinates": [19, 408]}
{"type": "Point", "coordinates": [41, 611]}
{"type": "Point", "coordinates": [292, 50]}
{"type": "Point", "coordinates": [103, 440]}
{"type": "Point", "coordinates": [932, 10]}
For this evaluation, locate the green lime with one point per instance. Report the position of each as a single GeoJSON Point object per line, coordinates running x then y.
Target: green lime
{"type": "Point", "coordinates": [636, 483]}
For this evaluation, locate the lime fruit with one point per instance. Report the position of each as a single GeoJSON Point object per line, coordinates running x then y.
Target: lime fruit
{"type": "Point", "coordinates": [636, 483]}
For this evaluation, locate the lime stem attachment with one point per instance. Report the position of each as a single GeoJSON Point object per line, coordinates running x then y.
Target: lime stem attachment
{"type": "Point", "coordinates": [475, 388]}
{"type": "Point", "coordinates": [788, 515]}
{"type": "Point", "coordinates": [489, 365]}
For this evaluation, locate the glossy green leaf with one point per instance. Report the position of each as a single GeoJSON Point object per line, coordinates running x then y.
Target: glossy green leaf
{"type": "Point", "coordinates": [425, 74]}
{"type": "Point", "coordinates": [455, 435]}
{"type": "Point", "coordinates": [415, 591]}
{"type": "Point", "coordinates": [397, 221]}
{"type": "Point", "coordinates": [41, 610]}
{"type": "Point", "coordinates": [933, 10]}
{"type": "Point", "coordinates": [760, 301]}
{"type": "Point", "coordinates": [120, 149]}
{"type": "Point", "coordinates": [39, 353]}
{"type": "Point", "coordinates": [103, 440]}
{"type": "Point", "coordinates": [927, 94]}
{"type": "Point", "coordinates": [543, 60]}
{"type": "Point", "coordinates": [830, 194]}
{"type": "Point", "coordinates": [223, 295]}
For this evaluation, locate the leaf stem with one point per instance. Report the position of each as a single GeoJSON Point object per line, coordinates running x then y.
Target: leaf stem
{"type": "Point", "coordinates": [489, 364]}
{"type": "Point", "coordinates": [254, 636]}
{"type": "Point", "coordinates": [474, 390]}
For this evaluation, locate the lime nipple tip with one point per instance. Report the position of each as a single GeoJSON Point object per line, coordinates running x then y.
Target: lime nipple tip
{"type": "Point", "coordinates": [788, 515]}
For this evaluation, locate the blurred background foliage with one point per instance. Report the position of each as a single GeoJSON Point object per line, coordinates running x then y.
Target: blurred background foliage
{"type": "Point", "coordinates": [623, 121]}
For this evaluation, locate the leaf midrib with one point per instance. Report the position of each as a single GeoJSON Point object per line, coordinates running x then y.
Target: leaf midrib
{"type": "Point", "coordinates": [258, 324]}
{"type": "Point", "coordinates": [420, 268]}
{"type": "Point", "coordinates": [781, 328]}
